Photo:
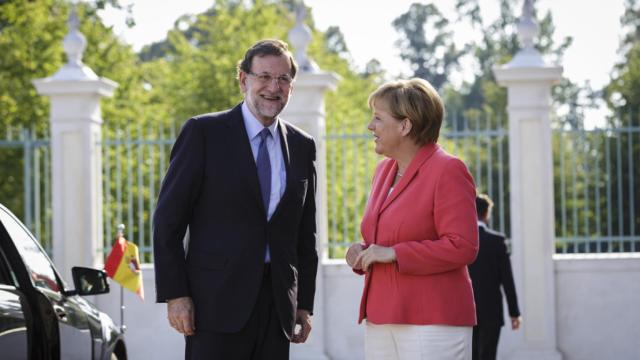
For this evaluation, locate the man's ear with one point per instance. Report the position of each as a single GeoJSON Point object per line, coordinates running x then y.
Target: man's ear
{"type": "Point", "coordinates": [242, 77]}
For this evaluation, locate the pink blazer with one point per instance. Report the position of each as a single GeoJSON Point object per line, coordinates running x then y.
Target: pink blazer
{"type": "Point", "coordinates": [430, 221]}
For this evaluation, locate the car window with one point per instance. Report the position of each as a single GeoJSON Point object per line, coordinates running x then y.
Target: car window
{"type": "Point", "coordinates": [38, 264]}
{"type": "Point", "coordinates": [7, 277]}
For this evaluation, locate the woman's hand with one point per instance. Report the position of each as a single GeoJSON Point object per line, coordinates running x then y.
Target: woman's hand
{"type": "Point", "coordinates": [352, 255]}
{"type": "Point", "coordinates": [375, 254]}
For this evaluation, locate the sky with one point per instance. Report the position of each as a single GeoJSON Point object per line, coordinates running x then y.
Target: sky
{"type": "Point", "coordinates": [366, 25]}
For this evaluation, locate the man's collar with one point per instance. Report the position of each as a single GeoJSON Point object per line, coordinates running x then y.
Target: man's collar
{"type": "Point", "coordinates": [253, 125]}
{"type": "Point", "coordinates": [482, 224]}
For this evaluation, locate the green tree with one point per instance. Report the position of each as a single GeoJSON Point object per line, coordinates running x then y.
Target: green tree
{"type": "Point", "coordinates": [479, 104]}
{"type": "Point", "coordinates": [30, 34]}
{"type": "Point", "coordinates": [426, 43]}
{"type": "Point", "coordinates": [200, 54]}
{"type": "Point", "coordinates": [498, 45]}
{"type": "Point", "coordinates": [622, 96]}
{"type": "Point", "coordinates": [31, 48]}
{"type": "Point", "coordinates": [335, 41]}
{"type": "Point", "coordinates": [193, 71]}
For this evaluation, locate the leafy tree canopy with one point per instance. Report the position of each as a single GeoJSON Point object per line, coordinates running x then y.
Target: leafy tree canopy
{"type": "Point", "coordinates": [622, 94]}
{"type": "Point", "coordinates": [426, 43]}
{"type": "Point", "coordinates": [200, 55]}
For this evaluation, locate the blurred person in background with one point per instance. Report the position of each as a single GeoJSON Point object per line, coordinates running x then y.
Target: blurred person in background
{"type": "Point", "coordinates": [490, 272]}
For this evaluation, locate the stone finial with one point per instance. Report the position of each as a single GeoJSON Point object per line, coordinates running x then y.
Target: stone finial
{"type": "Point", "coordinates": [120, 229]}
{"type": "Point", "coordinates": [527, 26]}
{"type": "Point", "coordinates": [74, 45]}
{"type": "Point", "coordinates": [300, 37]}
{"type": "Point", "coordinates": [528, 56]}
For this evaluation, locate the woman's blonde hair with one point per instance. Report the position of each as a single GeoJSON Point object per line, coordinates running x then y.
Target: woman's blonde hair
{"type": "Point", "coordinates": [414, 99]}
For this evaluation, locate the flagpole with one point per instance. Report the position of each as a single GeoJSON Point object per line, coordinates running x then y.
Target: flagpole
{"type": "Point", "coordinates": [123, 327]}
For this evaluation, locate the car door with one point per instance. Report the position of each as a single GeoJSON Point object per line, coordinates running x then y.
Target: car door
{"type": "Point", "coordinates": [14, 309]}
{"type": "Point", "coordinates": [74, 335]}
{"type": "Point", "coordinates": [73, 327]}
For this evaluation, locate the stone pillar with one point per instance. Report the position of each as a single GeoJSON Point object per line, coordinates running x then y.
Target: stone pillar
{"type": "Point", "coordinates": [528, 80]}
{"type": "Point", "coordinates": [306, 110]}
{"type": "Point", "coordinates": [75, 92]}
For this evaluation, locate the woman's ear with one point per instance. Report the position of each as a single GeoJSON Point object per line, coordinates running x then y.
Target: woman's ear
{"type": "Point", "coordinates": [406, 126]}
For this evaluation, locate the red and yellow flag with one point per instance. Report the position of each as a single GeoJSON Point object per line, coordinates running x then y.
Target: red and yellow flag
{"type": "Point", "coordinates": [123, 266]}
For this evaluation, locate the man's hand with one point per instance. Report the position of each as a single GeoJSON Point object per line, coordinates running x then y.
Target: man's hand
{"type": "Point", "coordinates": [181, 315]}
{"type": "Point", "coordinates": [352, 255]}
{"type": "Point", "coordinates": [515, 322]}
{"type": "Point", "coordinates": [303, 318]}
{"type": "Point", "coordinates": [374, 254]}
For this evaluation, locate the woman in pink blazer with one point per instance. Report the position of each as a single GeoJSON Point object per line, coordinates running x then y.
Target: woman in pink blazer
{"type": "Point", "coordinates": [420, 233]}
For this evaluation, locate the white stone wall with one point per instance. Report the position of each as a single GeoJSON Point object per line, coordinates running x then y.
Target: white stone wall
{"type": "Point", "coordinates": [344, 338]}
{"type": "Point", "coordinates": [597, 307]}
{"type": "Point", "coordinates": [148, 335]}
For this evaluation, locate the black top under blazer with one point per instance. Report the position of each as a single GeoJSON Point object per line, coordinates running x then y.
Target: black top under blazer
{"type": "Point", "coordinates": [490, 271]}
{"type": "Point", "coordinates": [211, 188]}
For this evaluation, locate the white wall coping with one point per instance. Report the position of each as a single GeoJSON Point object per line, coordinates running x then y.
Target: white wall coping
{"type": "Point", "coordinates": [596, 256]}
{"type": "Point", "coordinates": [321, 79]}
{"type": "Point", "coordinates": [51, 86]}
{"type": "Point", "coordinates": [610, 262]}
{"type": "Point", "coordinates": [506, 75]}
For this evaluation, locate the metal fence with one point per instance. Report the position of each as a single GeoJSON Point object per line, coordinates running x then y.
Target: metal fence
{"type": "Point", "coordinates": [597, 189]}
{"type": "Point", "coordinates": [25, 180]}
{"type": "Point", "coordinates": [480, 141]}
{"type": "Point", "coordinates": [595, 177]}
{"type": "Point", "coordinates": [134, 161]}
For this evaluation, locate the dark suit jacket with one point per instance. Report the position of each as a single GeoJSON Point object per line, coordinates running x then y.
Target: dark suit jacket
{"type": "Point", "coordinates": [491, 270]}
{"type": "Point", "coordinates": [212, 188]}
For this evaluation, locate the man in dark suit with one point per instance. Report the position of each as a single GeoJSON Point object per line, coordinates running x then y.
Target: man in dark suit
{"type": "Point", "coordinates": [242, 181]}
{"type": "Point", "coordinates": [490, 271]}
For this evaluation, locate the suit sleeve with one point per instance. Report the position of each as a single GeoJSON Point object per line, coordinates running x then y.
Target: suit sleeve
{"type": "Point", "coordinates": [456, 225]}
{"type": "Point", "coordinates": [506, 278]}
{"type": "Point", "coordinates": [178, 193]}
{"type": "Point", "coordinates": [307, 254]}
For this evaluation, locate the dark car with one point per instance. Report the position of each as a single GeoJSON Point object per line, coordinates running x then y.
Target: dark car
{"type": "Point", "coordinates": [40, 318]}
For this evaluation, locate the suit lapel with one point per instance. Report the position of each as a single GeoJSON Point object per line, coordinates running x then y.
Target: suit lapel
{"type": "Point", "coordinates": [419, 159]}
{"type": "Point", "coordinates": [284, 144]}
{"type": "Point", "coordinates": [244, 164]}
{"type": "Point", "coordinates": [386, 177]}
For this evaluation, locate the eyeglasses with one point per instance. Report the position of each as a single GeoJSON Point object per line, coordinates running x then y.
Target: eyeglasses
{"type": "Point", "coordinates": [266, 78]}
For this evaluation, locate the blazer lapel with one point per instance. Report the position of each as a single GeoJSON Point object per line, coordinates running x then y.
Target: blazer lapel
{"type": "Point", "coordinates": [419, 159]}
{"type": "Point", "coordinates": [244, 164]}
{"type": "Point", "coordinates": [386, 177]}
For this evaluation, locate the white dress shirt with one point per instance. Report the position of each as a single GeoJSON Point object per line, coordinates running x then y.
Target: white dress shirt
{"type": "Point", "coordinates": [278, 170]}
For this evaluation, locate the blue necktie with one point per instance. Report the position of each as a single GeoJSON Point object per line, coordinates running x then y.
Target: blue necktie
{"type": "Point", "coordinates": [264, 169]}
